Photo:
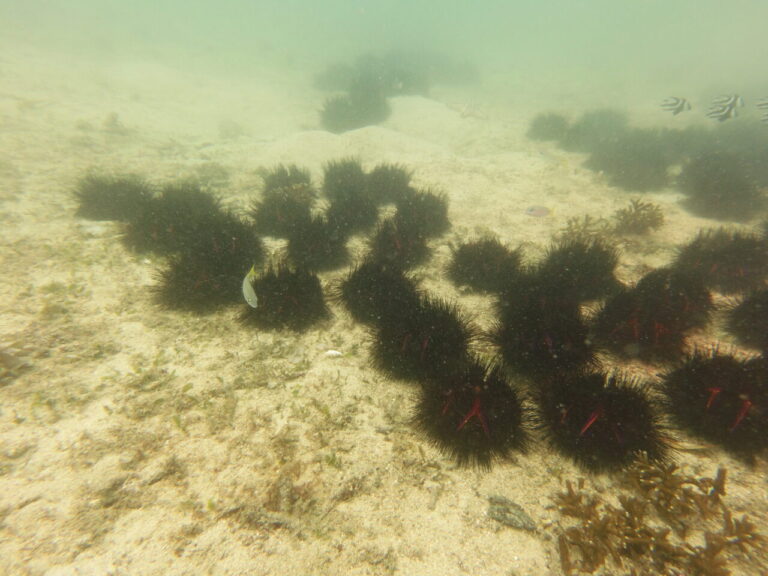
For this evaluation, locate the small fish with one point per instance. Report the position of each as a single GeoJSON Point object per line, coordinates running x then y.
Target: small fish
{"type": "Point", "coordinates": [722, 113]}
{"type": "Point", "coordinates": [763, 103]}
{"type": "Point", "coordinates": [675, 105]}
{"type": "Point", "coordinates": [764, 118]}
{"type": "Point", "coordinates": [730, 100]}
{"type": "Point", "coordinates": [724, 107]}
{"type": "Point", "coordinates": [248, 292]}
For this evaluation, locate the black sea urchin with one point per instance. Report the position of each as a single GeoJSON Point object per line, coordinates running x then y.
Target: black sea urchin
{"type": "Point", "coordinates": [540, 329]}
{"type": "Point", "coordinates": [209, 270]}
{"type": "Point", "coordinates": [173, 220]}
{"type": "Point", "coordinates": [422, 212]}
{"type": "Point", "coordinates": [472, 413]}
{"type": "Point", "coordinates": [650, 321]}
{"type": "Point", "coordinates": [389, 183]}
{"type": "Point", "coordinates": [634, 160]}
{"type": "Point", "coordinates": [374, 291]}
{"type": "Point", "coordinates": [427, 341]}
{"type": "Point", "coordinates": [728, 260]}
{"type": "Point", "coordinates": [579, 269]}
{"type": "Point", "coordinates": [719, 186]}
{"type": "Point", "coordinates": [286, 201]}
{"type": "Point", "coordinates": [287, 298]}
{"type": "Point", "coordinates": [722, 399]}
{"type": "Point", "coordinates": [317, 243]}
{"type": "Point", "coordinates": [112, 197]}
{"type": "Point", "coordinates": [352, 206]}
{"type": "Point", "coordinates": [548, 126]}
{"type": "Point", "coordinates": [749, 320]}
{"type": "Point", "coordinates": [601, 421]}
{"type": "Point", "coordinates": [485, 265]}
{"type": "Point", "coordinates": [403, 248]}
{"type": "Point", "coordinates": [594, 129]}
{"type": "Point", "coordinates": [361, 106]}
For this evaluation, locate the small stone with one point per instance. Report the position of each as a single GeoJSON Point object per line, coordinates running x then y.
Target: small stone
{"type": "Point", "coordinates": [509, 513]}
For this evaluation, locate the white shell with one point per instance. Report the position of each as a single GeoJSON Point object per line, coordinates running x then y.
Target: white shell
{"type": "Point", "coordinates": [333, 354]}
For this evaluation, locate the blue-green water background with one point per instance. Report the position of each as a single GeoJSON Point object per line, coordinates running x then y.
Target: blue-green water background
{"type": "Point", "coordinates": [720, 46]}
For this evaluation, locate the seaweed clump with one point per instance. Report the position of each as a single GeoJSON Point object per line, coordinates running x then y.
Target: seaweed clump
{"type": "Point", "coordinates": [661, 513]}
{"type": "Point", "coordinates": [639, 217]}
{"type": "Point", "coordinates": [585, 228]}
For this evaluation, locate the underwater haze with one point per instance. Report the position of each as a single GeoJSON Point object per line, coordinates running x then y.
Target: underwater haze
{"type": "Point", "coordinates": [680, 43]}
{"type": "Point", "coordinates": [383, 287]}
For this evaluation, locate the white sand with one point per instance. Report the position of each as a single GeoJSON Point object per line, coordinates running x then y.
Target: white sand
{"type": "Point", "coordinates": [149, 442]}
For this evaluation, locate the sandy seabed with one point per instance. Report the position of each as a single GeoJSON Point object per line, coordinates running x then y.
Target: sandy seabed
{"type": "Point", "coordinates": [135, 440]}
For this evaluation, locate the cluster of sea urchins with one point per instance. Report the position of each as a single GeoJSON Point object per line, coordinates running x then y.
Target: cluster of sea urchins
{"type": "Point", "coordinates": [721, 171]}
{"type": "Point", "coordinates": [466, 406]}
{"type": "Point", "coordinates": [471, 407]}
{"type": "Point", "coordinates": [604, 418]}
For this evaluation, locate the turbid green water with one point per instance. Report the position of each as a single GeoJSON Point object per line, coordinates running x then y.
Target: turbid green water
{"type": "Point", "coordinates": [141, 440]}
